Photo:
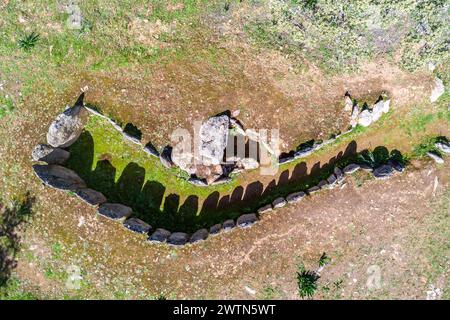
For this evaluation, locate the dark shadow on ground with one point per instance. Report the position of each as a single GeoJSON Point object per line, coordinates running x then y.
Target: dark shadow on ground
{"type": "Point", "coordinates": [149, 202]}
{"type": "Point", "coordinates": [11, 220]}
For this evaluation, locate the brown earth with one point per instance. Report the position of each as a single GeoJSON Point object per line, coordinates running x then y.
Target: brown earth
{"type": "Point", "coordinates": [263, 84]}
{"type": "Point", "coordinates": [384, 223]}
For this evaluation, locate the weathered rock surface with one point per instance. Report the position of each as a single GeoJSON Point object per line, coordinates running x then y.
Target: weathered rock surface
{"type": "Point", "coordinates": [383, 172]}
{"type": "Point", "coordinates": [438, 90]}
{"type": "Point", "coordinates": [59, 177]}
{"type": "Point", "coordinates": [322, 184]}
{"type": "Point", "coordinates": [91, 196]}
{"type": "Point", "coordinates": [114, 211]}
{"type": "Point", "coordinates": [279, 203]}
{"type": "Point", "coordinates": [354, 116]}
{"type": "Point", "coordinates": [377, 110]}
{"type": "Point", "coordinates": [295, 197]}
{"type": "Point", "coordinates": [366, 167]}
{"type": "Point", "coordinates": [313, 189]}
{"type": "Point", "coordinates": [213, 137]}
{"type": "Point", "coordinates": [199, 235]}
{"type": "Point", "coordinates": [137, 225]}
{"type": "Point", "coordinates": [396, 165]}
{"type": "Point", "coordinates": [304, 152]}
{"type": "Point", "coordinates": [348, 103]}
{"type": "Point", "coordinates": [178, 238]}
{"type": "Point", "coordinates": [166, 157]}
{"type": "Point", "coordinates": [197, 182]}
{"type": "Point", "coordinates": [365, 118]}
{"type": "Point", "coordinates": [435, 157]}
{"type": "Point", "coordinates": [386, 106]}
{"type": "Point", "coordinates": [265, 209]}
{"type": "Point", "coordinates": [160, 235]}
{"type": "Point", "coordinates": [221, 180]}
{"type": "Point", "coordinates": [351, 168]}
{"type": "Point", "coordinates": [248, 163]}
{"type": "Point", "coordinates": [339, 174]}
{"type": "Point", "coordinates": [215, 229]}
{"type": "Point", "coordinates": [443, 146]}
{"type": "Point", "coordinates": [332, 180]}
{"type": "Point", "coordinates": [246, 220]}
{"type": "Point", "coordinates": [49, 154]}
{"type": "Point", "coordinates": [67, 127]}
{"type": "Point", "coordinates": [209, 173]}
{"type": "Point", "coordinates": [285, 160]}
{"type": "Point", "coordinates": [228, 225]}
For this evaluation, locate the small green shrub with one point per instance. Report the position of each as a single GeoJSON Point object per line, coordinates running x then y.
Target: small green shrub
{"type": "Point", "coordinates": [29, 41]}
{"type": "Point", "coordinates": [307, 282]}
{"type": "Point", "coordinates": [324, 260]}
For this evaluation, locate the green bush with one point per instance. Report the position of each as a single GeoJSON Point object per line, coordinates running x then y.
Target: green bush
{"type": "Point", "coordinates": [307, 282]}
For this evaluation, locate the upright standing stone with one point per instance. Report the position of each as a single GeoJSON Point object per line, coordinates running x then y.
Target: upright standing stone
{"type": "Point", "coordinates": [67, 126]}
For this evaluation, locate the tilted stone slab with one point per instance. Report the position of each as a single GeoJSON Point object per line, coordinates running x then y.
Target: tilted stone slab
{"type": "Point", "coordinates": [197, 182]}
{"type": "Point", "coordinates": [215, 229]}
{"type": "Point", "coordinates": [313, 189]}
{"type": "Point", "coordinates": [443, 146]}
{"type": "Point", "coordinates": [49, 154]}
{"type": "Point", "coordinates": [114, 211]}
{"type": "Point", "coordinates": [91, 196]}
{"type": "Point", "coordinates": [322, 184]}
{"type": "Point", "coordinates": [221, 180]}
{"type": "Point", "coordinates": [279, 203]}
{"type": "Point", "coordinates": [264, 209]}
{"type": "Point", "coordinates": [246, 220]}
{"type": "Point", "coordinates": [228, 225]}
{"type": "Point", "coordinates": [435, 157]}
{"type": "Point", "coordinates": [285, 160]}
{"type": "Point", "coordinates": [199, 235]}
{"type": "Point", "coordinates": [332, 180]}
{"type": "Point", "coordinates": [137, 225]}
{"type": "Point", "coordinates": [366, 167]}
{"type": "Point", "coordinates": [59, 177]}
{"type": "Point", "coordinates": [67, 127]}
{"type": "Point", "coordinates": [303, 152]}
{"type": "Point", "coordinates": [160, 235]}
{"type": "Point", "coordinates": [295, 197]}
{"type": "Point", "coordinates": [339, 174]}
{"type": "Point", "coordinates": [383, 172]}
{"type": "Point", "coordinates": [178, 238]}
{"type": "Point", "coordinates": [351, 168]}
{"type": "Point", "coordinates": [396, 165]}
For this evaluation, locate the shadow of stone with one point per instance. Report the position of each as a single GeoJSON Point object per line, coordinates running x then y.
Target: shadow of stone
{"type": "Point", "coordinates": [147, 200]}
{"type": "Point", "coordinates": [130, 184]}
{"type": "Point", "coordinates": [12, 219]}
{"type": "Point", "coordinates": [133, 131]}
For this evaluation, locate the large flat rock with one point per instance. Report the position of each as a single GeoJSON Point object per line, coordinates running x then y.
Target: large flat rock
{"type": "Point", "coordinates": [49, 154]}
{"type": "Point", "coordinates": [115, 211]}
{"type": "Point", "coordinates": [59, 177]}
